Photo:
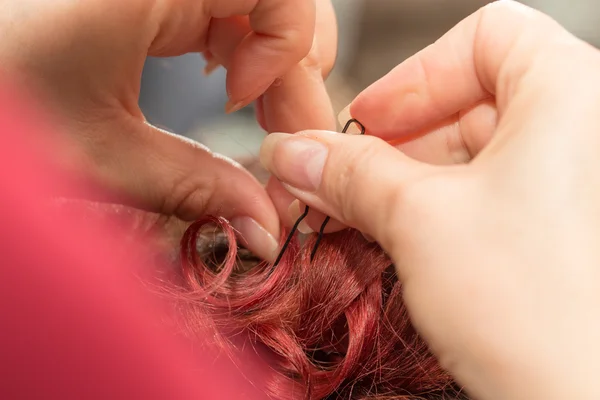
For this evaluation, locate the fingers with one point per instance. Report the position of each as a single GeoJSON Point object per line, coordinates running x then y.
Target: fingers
{"type": "Point", "coordinates": [298, 101]}
{"type": "Point", "coordinates": [359, 180]}
{"type": "Point", "coordinates": [455, 140]}
{"type": "Point", "coordinates": [194, 183]}
{"type": "Point", "coordinates": [477, 58]}
{"type": "Point", "coordinates": [281, 36]}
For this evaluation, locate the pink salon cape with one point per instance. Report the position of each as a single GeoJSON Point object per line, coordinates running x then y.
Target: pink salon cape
{"type": "Point", "coordinates": [74, 321]}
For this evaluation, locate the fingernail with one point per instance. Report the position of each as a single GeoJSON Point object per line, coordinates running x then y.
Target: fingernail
{"type": "Point", "coordinates": [368, 238]}
{"type": "Point", "coordinates": [295, 211]}
{"type": "Point", "coordinates": [343, 117]}
{"type": "Point", "coordinates": [295, 160]}
{"type": "Point", "coordinates": [256, 238]}
{"type": "Point", "coordinates": [211, 65]}
{"type": "Point", "coordinates": [232, 107]}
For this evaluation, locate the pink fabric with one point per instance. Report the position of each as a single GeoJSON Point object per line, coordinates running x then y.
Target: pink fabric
{"type": "Point", "coordinates": [75, 323]}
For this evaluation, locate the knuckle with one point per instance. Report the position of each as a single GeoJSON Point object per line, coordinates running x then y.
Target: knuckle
{"type": "Point", "coordinates": [299, 34]}
{"type": "Point", "coordinates": [300, 41]}
{"type": "Point", "coordinates": [319, 60]}
{"type": "Point", "coordinates": [291, 42]}
{"type": "Point", "coordinates": [456, 144]}
{"type": "Point", "coordinates": [534, 39]}
{"type": "Point", "coordinates": [189, 198]}
{"type": "Point", "coordinates": [312, 60]}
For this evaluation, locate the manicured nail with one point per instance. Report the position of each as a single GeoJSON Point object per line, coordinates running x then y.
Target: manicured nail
{"type": "Point", "coordinates": [297, 161]}
{"type": "Point", "coordinates": [256, 238]}
{"type": "Point", "coordinates": [211, 66]}
{"type": "Point", "coordinates": [296, 210]}
{"type": "Point", "coordinates": [232, 107]}
{"type": "Point", "coordinates": [343, 117]}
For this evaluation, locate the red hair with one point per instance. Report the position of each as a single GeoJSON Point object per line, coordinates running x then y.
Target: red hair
{"type": "Point", "coordinates": [337, 324]}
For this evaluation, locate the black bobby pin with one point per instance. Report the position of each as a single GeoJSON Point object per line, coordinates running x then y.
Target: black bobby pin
{"type": "Point", "coordinates": [319, 238]}
{"type": "Point", "coordinates": [291, 235]}
{"type": "Point", "coordinates": [354, 121]}
{"type": "Point", "coordinates": [306, 209]}
{"type": "Point", "coordinates": [324, 224]}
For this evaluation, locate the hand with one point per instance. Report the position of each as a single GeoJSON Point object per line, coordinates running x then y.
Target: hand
{"type": "Point", "coordinates": [491, 211]}
{"type": "Point", "coordinates": [297, 101]}
{"type": "Point", "coordinates": [84, 61]}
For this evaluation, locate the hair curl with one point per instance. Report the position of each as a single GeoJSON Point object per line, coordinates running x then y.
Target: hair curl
{"type": "Point", "coordinates": [337, 325]}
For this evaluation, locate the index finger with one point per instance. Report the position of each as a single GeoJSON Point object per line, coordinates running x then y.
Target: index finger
{"type": "Point", "coordinates": [299, 100]}
{"type": "Point", "coordinates": [485, 55]}
{"type": "Point", "coordinates": [282, 35]}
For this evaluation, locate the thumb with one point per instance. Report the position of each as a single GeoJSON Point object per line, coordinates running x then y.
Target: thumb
{"type": "Point", "coordinates": [361, 181]}
{"type": "Point", "coordinates": [174, 176]}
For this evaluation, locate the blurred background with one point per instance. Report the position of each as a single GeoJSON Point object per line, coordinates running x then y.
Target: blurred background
{"type": "Point", "coordinates": [374, 36]}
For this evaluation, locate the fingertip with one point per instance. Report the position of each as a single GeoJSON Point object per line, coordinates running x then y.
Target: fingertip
{"type": "Point", "coordinates": [261, 58]}
{"type": "Point", "coordinates": [345, 115]}
{"type": "Point", "coordinates": [245, 84]}
{"type": "Point", "coordinates": [256, 221]}
{"type": "Point", "coordinates": [231, 106]}
{"type": "Point", "coordinates": [345, 118]}
{"type": "Point", "coordinates": [266, 150]}
{"type": "Point", "coordinates": [211, 66]}
{"type": "Point", "coordinates": [296, 210]}
{"type": "Point", "coordinates": [377, 108]}
{"type": "Point", "coordinates": [256, 238]}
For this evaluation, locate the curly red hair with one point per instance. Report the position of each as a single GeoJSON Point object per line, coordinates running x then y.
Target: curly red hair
{"type": "Point", "coordinates": [338, 324]}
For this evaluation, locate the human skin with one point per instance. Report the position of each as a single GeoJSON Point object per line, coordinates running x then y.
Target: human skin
{"type": "Point", "coordinates": [83, 61]}
{"type": "Point", "coordinates": [491, 208]}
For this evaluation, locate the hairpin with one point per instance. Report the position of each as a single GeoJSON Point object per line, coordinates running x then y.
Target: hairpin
{"type": "Point", "coordinates": [306, 210]}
